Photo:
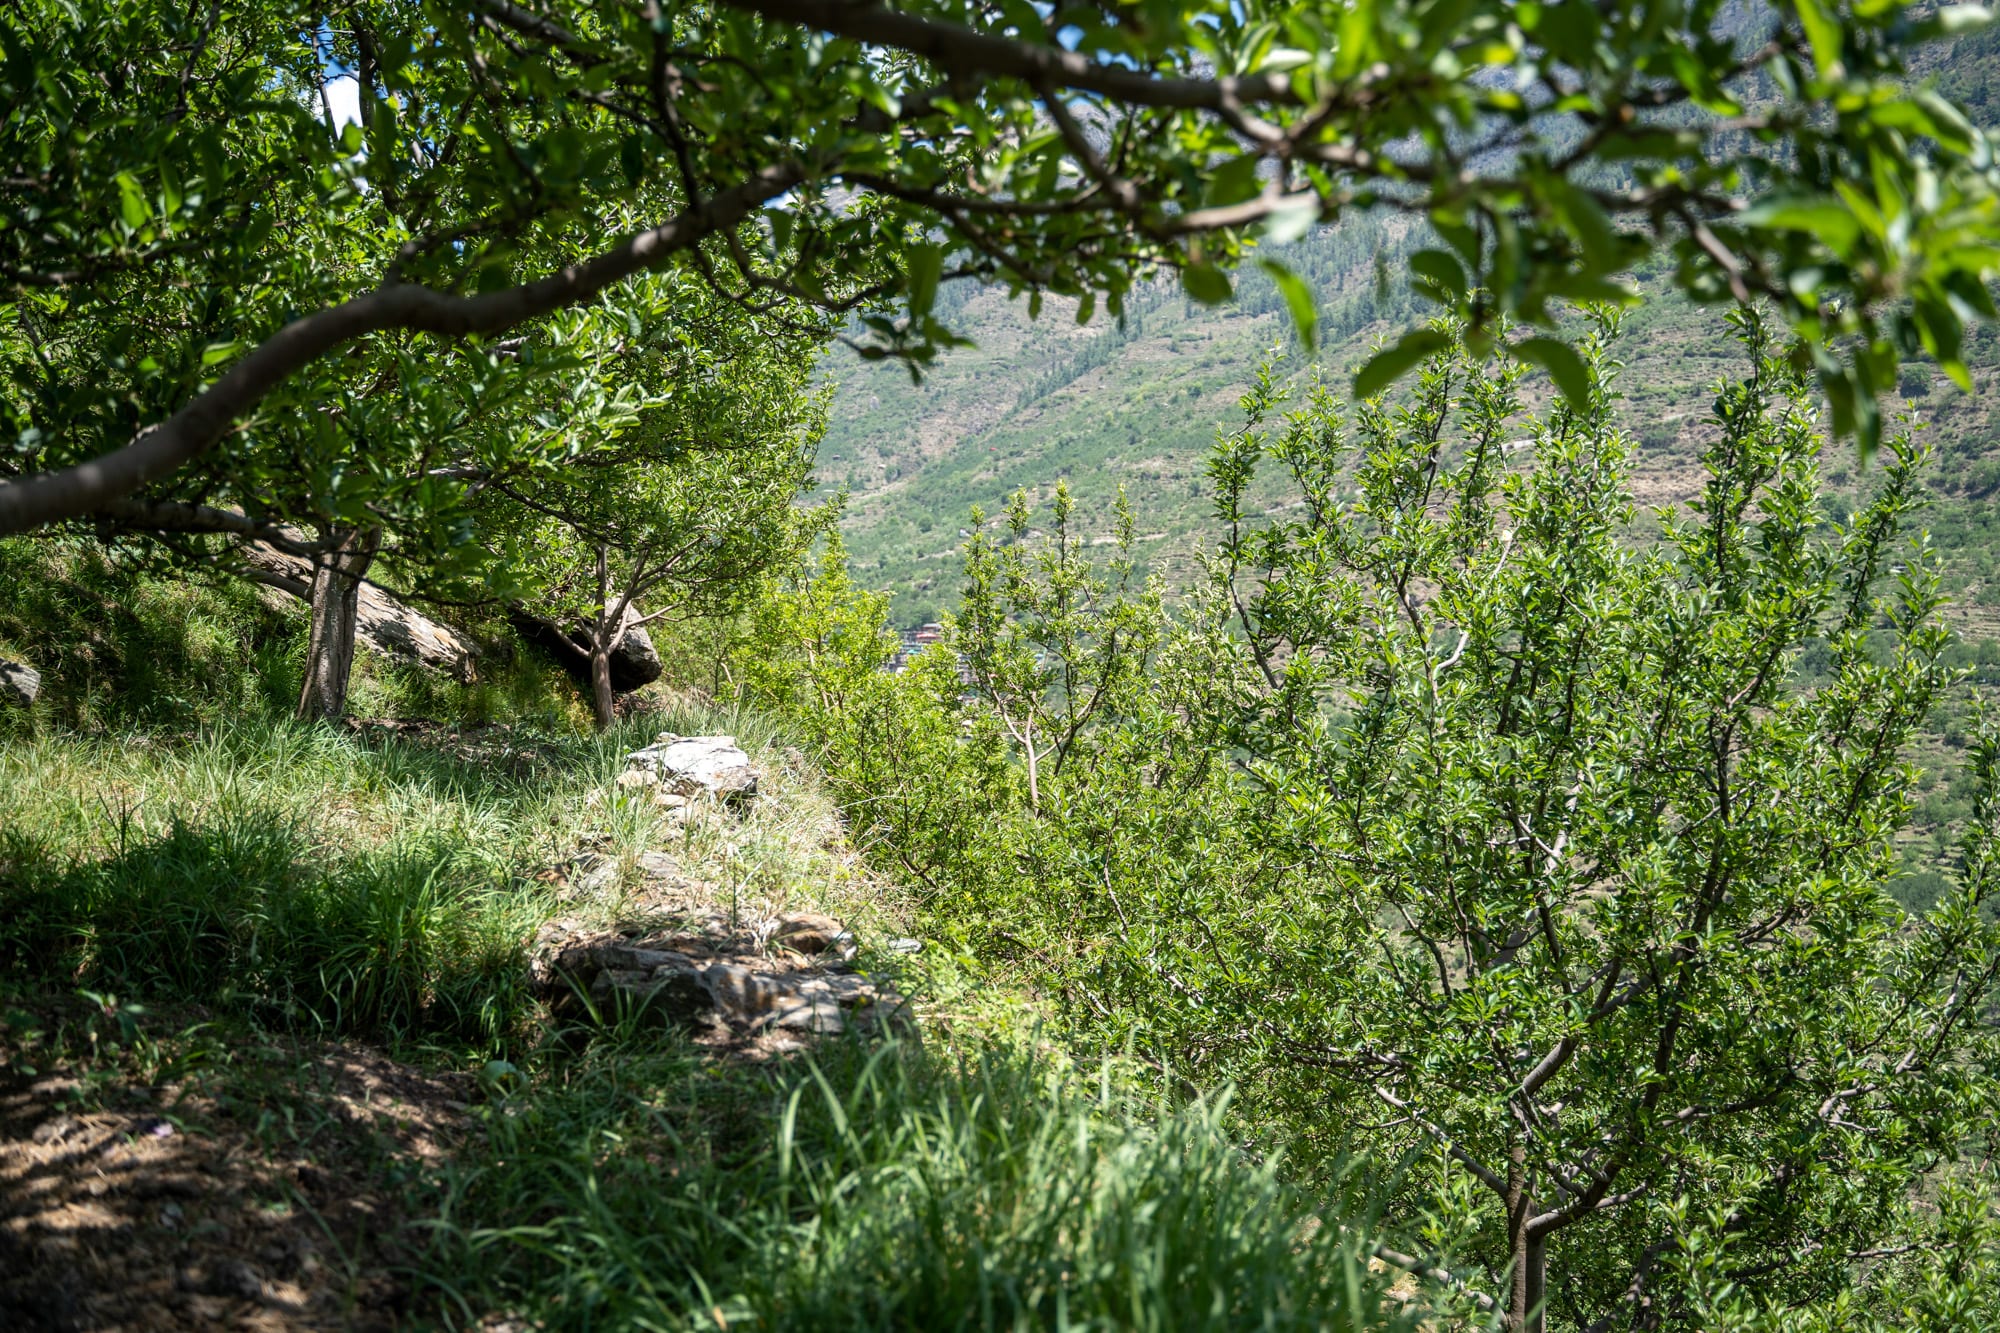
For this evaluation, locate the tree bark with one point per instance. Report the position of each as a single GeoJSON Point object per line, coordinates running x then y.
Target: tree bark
{"type": "Point", "coordinates": [1527, 1251]}
{"type": "Point", "coordinates": [604, 631]}
{"type": "Point", "coordinates": [336, 605]}
{"type": "Point", "coordinates": [603, 701]}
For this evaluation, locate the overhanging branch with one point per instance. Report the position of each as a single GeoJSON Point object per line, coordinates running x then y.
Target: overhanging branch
{"type": "Point", "coordinates": [160, 449]}
{"type": "Point", "coordinates": [965, 51]}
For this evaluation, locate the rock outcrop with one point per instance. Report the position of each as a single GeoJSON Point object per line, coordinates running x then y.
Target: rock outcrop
{"type": "Point", "coordinates": [19, 684]}
{"type": "Point", "coordinates": [634, 660]}
{"type": "Point", "coordinates": [760, 990]}
{"type": "Point", "coordinates": [384, 624]}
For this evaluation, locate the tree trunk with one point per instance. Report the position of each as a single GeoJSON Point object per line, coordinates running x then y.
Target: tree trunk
{"type": "Point", "coordinates": [1534, 1265]}
{"type": "Point", "coordinates": [336, 602]}
{"type": "Point", "coordinates": [603, 702]}
{"type": "Point", "coordinates": [1527, 1252]}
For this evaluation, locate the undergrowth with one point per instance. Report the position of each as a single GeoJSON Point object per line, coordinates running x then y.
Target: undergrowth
{"type": "Point", "coordinates": [885, 1189]}
{"type": "Point", "coordinates": [188, 878]}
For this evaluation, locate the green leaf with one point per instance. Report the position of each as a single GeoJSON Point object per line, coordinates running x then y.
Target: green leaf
{"type": "Point", "coordinates": [1389, 364]}
{"type": "Point", "coordinates": [1206, 283]}
{"type": "Point", "coordinates": [1590, 288]}
{"type": "Point", "coordinates": [1959, 20]}
{"type": "Point", "coordinates": [1950, 21]}
{"type": "Point", "coordinates": [1565, 367]}
{"type": "Point", "coordinates": [132, 204]}
{"type": "Point", "coordinates": [1930, 115]}
{"type": "Point", "coordinates": [1829, 219]}
{"type": "Point", "coordinates": [1587, 222]}
{"type": "Point", "coordinates": [1650, 142]}
{"type": "Point", "coordinates": [171, 193]}
{"type": "Point", "coordinates": [925, 264]}
{"type": "Point", "coordinates": [1293, 217]}
{"type": "Point", "coordinates": [1571, 30]}
{"type": "Point", "coordinates": [1356, 44]}
{"type": "Point", "coordinates": [1298, 299]}
{"type": "Point", "coordinates": [1823, 31]}
{"type": "Point", "coordinates": [1233, 181]}
{"type": "Point", "coordinates": [1441, 270]}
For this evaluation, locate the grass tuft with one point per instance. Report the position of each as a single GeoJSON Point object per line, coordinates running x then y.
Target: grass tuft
{"type": "Point", "coordinates": [884, 1190]}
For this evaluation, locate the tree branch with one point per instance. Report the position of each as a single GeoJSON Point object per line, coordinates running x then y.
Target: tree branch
{"type": "Point", "coordinates": [1433, 1273]}
{"type": "Point", "coordinates": [160, 449]}
{"type": "Point", "coordinates": [965, 51]}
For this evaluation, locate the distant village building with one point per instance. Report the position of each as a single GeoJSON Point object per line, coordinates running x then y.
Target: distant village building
{"type": "Point", "coordinates": [910, 642]}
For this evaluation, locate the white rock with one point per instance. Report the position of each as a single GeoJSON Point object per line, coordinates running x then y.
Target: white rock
{"type": "Point", "coordinates": [593, 873]}
{"type": "Point", "coordinates": [698, 765]}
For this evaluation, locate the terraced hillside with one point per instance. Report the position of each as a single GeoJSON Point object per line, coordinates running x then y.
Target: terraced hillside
{"type": "Point", "coordinates": [1138, 406]}
{"type": "Point", "coordinates": [1102, 407]}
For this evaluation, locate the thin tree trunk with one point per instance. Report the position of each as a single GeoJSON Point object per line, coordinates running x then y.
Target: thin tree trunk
{"type": "Point", "coordinates": [1527, 1252]}
{"type": "Point", "coordinates": [1535, 1262]}
{"type": "Point", "coordinates": [336, 604]}
{"type": "Point", "coordinates": [603, 703]}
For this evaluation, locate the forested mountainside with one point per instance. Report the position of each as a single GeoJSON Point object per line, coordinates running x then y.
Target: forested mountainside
{"type": "Point", "coordinates": [1104, 404]}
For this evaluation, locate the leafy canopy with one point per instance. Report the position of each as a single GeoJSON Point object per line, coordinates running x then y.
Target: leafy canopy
{"type": "Point", "coordinates": [201, 273]}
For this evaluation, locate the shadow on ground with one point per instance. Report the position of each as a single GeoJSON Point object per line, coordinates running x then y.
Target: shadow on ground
{"type": "Point", "coordinates": [258, 1192]}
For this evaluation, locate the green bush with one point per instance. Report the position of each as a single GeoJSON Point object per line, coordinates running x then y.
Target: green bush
{"type": "Point", "coordinates": [1560, 848]}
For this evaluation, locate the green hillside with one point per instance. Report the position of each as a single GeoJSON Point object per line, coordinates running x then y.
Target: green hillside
{"type": "Point", "coordinates": [1103, 405]}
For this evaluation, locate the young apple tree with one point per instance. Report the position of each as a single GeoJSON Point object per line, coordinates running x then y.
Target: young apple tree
{"type": "Point", "coordinates": [1569, 864]}
{"type": "Point", "coordinates": [681, 483]}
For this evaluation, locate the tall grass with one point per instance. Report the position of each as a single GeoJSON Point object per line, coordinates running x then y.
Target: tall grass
{"type": "Point", "coordinates": [886, 1190]}
{"type": "Point", "coordinates": [119, 645]}
{"type": "Point", "coordinates": [302, 875]}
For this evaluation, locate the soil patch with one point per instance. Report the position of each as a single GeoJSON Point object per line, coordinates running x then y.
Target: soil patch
{"type": "Point", "coordinates": [259, 1194]}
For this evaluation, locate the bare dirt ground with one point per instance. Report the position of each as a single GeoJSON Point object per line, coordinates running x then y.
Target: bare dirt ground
{"type": "Point", "coordinates": [257, 1195]}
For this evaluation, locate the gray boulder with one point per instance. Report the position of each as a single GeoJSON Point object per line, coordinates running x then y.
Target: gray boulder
{"type": "Point", "coordinates": [19, 683]}
{"type": "Point", "coordinates": [713, 766]}
{"type": "Point", "coordinates": [634, 660]}
{"type": "Point", "coordinates": [387, 625]}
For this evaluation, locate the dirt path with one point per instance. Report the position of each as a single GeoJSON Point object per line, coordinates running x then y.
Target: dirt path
{"type": "Point", "coordinates": [256, 1195]}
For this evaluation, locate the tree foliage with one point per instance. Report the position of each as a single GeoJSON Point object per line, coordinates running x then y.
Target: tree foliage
{"type": "Point", "coordinates": [686, 445]}
{"type": "Point", "coordinates": [1584, 889]}
{"type": "Point", "coordinates": [219, 301]}
{"type": "Point", "coordinates": [1471, 816]}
